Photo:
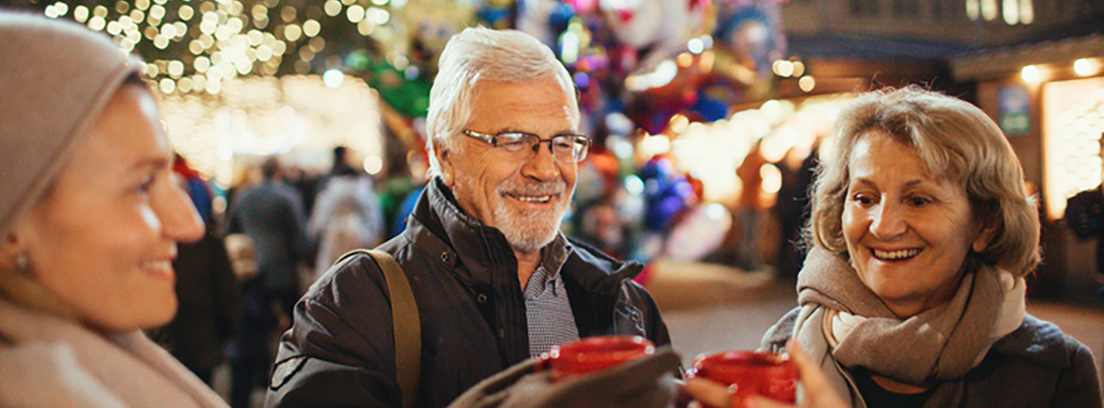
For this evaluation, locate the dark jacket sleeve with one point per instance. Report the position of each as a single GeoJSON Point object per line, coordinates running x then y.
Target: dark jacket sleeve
{"type": "Point", "coordinates": [655, 328]}
{"type": "Point", "coordinates": [1078, 385]}
{"type": "Point", "coordinates": [339, 350]}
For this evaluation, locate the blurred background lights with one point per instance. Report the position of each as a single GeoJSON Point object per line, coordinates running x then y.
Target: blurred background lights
{"type": "Point", "coordinates": [333, 78]}
{"type": "Point", "coordinates": [772, 178]}
{"type": "Point", "coordinates": [355, 13]}
{"type": "Point", "coordinates": [311, 28]}
{"type": "Point", "coordinates": [679, 123]}
{"type": "Point", "coordinates": [80, 13]}
{"type": "Point", "coordinates": [798, 68]}
{"type": "Point", "coordinates": [1085, 67]}
{"type": "Point", "coordinates": [185, 12]}
{"type": "Point", "coordinates": [167, 86]}
{"type": "Point", "coordinates": [97, 23]}
{"type": "Point", "coordinates": [783, 68]}
{"type": "Point", "coordinates": [806, 83]}
{"type": "Point", "coordinates": [373, 164]}
{"type": "Point", "coordinates": [695, 45]}
{"type": "Point", "coordinates": [1030, 74]}
{"type": "Point", "coordinates": [634, 185]}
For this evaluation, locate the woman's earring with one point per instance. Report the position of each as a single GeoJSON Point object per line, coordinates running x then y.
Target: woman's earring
{"type": "Point", "coordinates": [22, 263]}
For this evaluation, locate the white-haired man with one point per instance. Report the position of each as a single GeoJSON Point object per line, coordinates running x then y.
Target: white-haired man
{"type": "Point", "coordinates": [495, 280]}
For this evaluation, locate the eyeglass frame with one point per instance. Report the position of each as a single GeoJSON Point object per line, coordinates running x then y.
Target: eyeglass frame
{"type": "Point", "coordinates": [493, 141]}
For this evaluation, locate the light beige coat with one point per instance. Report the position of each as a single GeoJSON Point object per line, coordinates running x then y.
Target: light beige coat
{"type": "Point", "coordinates": [46, 361]}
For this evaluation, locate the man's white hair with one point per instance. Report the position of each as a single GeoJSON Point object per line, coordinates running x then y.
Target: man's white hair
{"type": "Point", "coordinates": [476, 55]}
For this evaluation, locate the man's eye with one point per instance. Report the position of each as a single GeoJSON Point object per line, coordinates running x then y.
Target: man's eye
{"type": "Point", "coordinates": [511, 140]}
{"type": "Point", "coordinates": [563, 143]}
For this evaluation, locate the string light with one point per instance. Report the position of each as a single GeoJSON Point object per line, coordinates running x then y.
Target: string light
{"type": "Point", "coordinates": [202, 48]}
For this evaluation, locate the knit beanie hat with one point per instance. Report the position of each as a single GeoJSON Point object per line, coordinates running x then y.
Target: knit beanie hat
{"type": "Point", "coordinates": [55, 79]}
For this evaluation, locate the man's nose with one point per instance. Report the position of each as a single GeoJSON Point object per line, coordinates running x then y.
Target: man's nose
{"type": "Point", "coordinates": [542, 164]}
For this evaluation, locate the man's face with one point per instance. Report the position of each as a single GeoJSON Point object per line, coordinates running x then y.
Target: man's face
{"type": "Point", "coordinates": [523, 195]}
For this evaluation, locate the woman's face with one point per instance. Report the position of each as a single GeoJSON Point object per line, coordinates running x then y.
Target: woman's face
{"type": "Point", "coordinates": [907, 233]}
{"type": "Point", "coordinates": [104, 238]}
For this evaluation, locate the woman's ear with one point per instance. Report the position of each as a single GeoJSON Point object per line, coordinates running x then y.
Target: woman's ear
{"type": "Point", "coordinates": [985, 236]}
{"type": "Point", "coordinates": [10, 247]}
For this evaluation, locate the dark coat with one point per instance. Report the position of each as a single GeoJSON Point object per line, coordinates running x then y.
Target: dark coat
{"type": "Point", "coordinates": [209, 302]}
{"type": "Point", "coordinates": [340, 352]}
{"type": "Point", "coordinates": [271, 214]}
{"type": "Point", "coordinates": [1035, 366]}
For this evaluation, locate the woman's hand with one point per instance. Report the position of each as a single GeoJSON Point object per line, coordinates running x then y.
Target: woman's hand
{"type": "Point", "coordinates": [817, 392]}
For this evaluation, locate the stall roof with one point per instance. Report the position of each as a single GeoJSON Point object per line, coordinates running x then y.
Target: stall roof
{"type": "Point", "coordinates": [870, 47]}
{"type": "Point", "coordinates": [999, 62]}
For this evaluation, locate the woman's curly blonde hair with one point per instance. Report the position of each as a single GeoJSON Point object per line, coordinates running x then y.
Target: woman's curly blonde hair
{"type": "Point", "coordinates": [955, 141]}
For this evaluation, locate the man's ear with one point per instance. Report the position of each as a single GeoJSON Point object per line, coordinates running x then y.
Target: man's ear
{"type": "Point", "coordinates": [444, 159]}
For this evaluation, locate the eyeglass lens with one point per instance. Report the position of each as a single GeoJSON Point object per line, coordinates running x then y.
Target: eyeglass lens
{"type": "Point", "coordinates": [565, 148]}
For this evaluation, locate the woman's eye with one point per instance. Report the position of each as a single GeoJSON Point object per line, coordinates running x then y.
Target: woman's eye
{"type": "Point", "coordinates": [146, 185]}
{"type": "Point", "coordinates": [919, 201]}
{"type": "Point", "coordinates": [862, 199]}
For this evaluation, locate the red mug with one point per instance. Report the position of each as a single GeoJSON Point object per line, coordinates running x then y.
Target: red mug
{"type": "Point", "coordinates": [750, 373]}
{"type": "Point", "coordinates": [593, 354]}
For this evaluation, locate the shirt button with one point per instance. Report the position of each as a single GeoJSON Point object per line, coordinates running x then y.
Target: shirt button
{"type": "Point", "coordinates": [635, 318]}
{"type": "Point", "coordinates": [481, 298]}
{"type": "Point", "coordinates": [445, 257]}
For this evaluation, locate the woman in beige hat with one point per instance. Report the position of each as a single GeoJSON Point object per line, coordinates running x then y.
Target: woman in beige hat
{"type": "Point", "coordinates": [89, 220]}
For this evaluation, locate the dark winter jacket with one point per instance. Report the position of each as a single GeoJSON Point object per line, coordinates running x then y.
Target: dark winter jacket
{"type": "Point", "coordinates": [1036, 366]}
{"type": "Point", "coordinates": [340, 352]}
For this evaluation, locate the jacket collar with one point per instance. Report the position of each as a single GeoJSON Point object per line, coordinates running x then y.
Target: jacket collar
{"type": "Point", "coordinates": [1037, 341]}
{"type": "Point", "coordinates": [597, 272]}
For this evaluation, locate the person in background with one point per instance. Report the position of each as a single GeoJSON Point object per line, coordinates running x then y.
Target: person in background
{"type": "Point", "coordinates": [271, 214]}
{"type": "Point", "coordinates": [791, 211]}
{"type": "Point", "coordinates": [495, 280]}
{"type": "Point", "coordinates": [197, 188]}
{"type": "Point", "coordinates": [90, 218]}
{"type": "Point", "coordinates": [912, 294]}
{"type": "Point", "coordinates": [346, 216]}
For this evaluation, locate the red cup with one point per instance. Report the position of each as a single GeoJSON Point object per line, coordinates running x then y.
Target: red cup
{"type": "Point", "coordinates": [594, 354]}
{"type": "Point", "coordinates": [749, 373]}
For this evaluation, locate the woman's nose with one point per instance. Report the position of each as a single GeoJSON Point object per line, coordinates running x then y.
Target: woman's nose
{"type": "Point", "coordinates": [888, 221]}
{"type": "Point", "coordinates": [179, 219]}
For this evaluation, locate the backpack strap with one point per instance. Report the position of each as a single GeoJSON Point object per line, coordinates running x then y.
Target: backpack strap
{"type": "Point", "coordinates": [406, 322]}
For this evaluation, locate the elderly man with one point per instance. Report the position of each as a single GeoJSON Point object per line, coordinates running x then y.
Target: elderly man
{"type": "Point", "coordinates": [494, 279]}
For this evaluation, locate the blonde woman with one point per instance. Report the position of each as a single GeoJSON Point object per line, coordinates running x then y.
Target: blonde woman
{"type": "Point", "coordinates": [912, 294]}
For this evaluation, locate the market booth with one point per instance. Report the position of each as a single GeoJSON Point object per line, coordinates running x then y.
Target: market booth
{"type": "Point", "coordinates": [1048, 99]}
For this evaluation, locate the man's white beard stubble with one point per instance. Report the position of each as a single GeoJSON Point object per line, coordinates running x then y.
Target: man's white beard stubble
{"type": "Point", "coordinates": [528, 231]}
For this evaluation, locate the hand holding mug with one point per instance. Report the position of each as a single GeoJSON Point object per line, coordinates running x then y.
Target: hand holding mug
{"type": "Point", "coordinates": [816, 392]}
{"type": "Point", "coordinates": [645, 381]}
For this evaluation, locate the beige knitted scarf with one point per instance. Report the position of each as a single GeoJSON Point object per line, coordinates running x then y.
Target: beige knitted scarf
{"type": "Point", "coordinates": [844, 321]}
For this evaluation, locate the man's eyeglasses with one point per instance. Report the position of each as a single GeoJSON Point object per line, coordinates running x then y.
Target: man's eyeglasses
{"type": "Point", "coordinates": [565, 148]}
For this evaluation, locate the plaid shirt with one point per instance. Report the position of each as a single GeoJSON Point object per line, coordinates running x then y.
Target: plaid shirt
{"type": "Point", "coordinates": [547, 308]}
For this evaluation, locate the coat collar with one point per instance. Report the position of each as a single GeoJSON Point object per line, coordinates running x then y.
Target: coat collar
{"type": "Point", "coordinates": [1038, 341]}
{"type": "Point", "coordinates": [127, 364]}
